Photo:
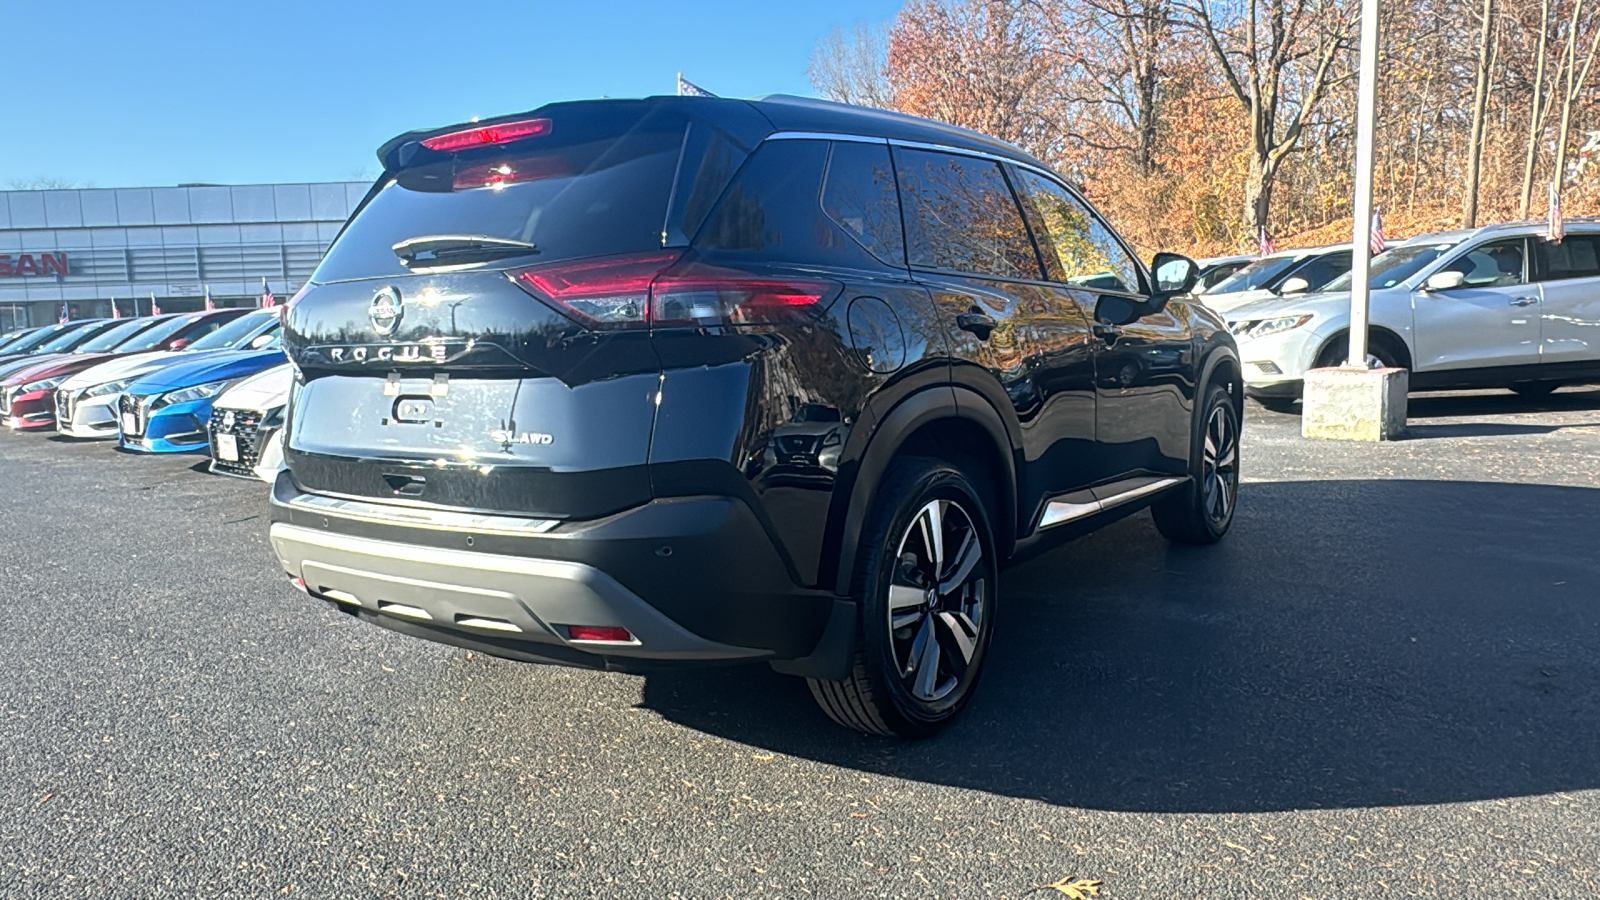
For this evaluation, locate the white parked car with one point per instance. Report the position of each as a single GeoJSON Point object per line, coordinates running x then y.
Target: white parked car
{"type": "Point", "coordinates": [1498, 306]}
{"type": "Point", "coordinates": [1285, 273]}
{"type": "Point", "coordinates": [1216, 269]}
{"type": "Point", "coordinates": [86, 403]}
{"type": "Point", "coordinates": [246, 425]}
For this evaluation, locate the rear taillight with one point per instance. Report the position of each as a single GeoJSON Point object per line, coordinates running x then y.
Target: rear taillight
{"type": "Point", "coordinates": [613, 292]}
{"type": "Point", "coordinates": [640, 290]}
{"type": "Point", "coordinates": [488, 135]}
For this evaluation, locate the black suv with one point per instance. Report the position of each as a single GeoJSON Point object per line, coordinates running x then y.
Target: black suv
{"type": "Point", "coordinates": [671, 381]}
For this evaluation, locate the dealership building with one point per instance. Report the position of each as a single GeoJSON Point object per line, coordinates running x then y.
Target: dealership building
{"type": "Point", "coordinates": [82, 250]}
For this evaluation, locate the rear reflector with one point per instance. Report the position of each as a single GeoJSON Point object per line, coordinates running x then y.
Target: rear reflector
{"type": "Point", "coordinates": [503, 133]}
{"type": "Point", "coordinates": [640, 290]}
{"type": "Point", "coordinates": [602, 633]}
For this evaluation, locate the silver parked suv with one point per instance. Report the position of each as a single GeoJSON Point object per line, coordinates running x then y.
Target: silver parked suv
{"type": "Point", "coordinates": [1498, 306]}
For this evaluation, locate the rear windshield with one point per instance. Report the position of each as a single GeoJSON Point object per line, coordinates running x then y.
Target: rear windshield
{"type": "Point", "coordinates": [111, 337]}
{"type": "Point", "coordinates": [153, 338]}
{"type": "Point", "coordinates": [232, 333]}
{"type": "Point", "coordinates": [14, 338]}
{"type": "Point", "coordinates": [600, 182]}
{"type": "Point", "coordinates": [1261, 274]}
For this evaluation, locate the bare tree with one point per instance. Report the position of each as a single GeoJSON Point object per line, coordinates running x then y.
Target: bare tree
{"type": "Point", "coordinates": [1480, 105]}
{"type": "Point", "coordinates": [848, 66]}
{"type": "Point", "coordinates": [1576, 83]}
{"type": "Point", "coordinates": [1278, 59]}
{"type": "Point", "coordinates": [1115, 55]}
{"type": "Point", "coordinates": [45, 183]}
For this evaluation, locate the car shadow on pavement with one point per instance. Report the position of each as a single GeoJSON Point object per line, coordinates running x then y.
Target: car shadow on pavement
{"type": "Point", "coordinates": [1487, 429]}
{"type": "Point", "coordinates": [1351, 644]}
{"type": "Point", "coordinates": [1500, 403]}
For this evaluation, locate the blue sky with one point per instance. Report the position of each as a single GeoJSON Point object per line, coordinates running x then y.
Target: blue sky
{"type": "Point", "coordinates": [130, 94]}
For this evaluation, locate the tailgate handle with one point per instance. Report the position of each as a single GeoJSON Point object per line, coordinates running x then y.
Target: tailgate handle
{"type": "Point", "coordinates": [405, 485]}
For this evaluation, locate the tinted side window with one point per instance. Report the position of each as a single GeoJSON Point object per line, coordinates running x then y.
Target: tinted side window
{"type": "Point", "coordinates": [1492, 265]}
{"type": "Point", "coordinates": [1320, 270]}
{"type": "Point", "coordinates": [960, 215]}
{"type": "Point", "coordinates": [1077, 247]}
{"type": "Point", "coordinates": [773, 211]}
{"type": "Point", "coordinates": [859, 195]}
{"type": "Point", "coordinates": [1577, 256]}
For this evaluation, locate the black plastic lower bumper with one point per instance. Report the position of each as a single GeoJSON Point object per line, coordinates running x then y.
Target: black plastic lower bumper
{"type": "Point", "coordinates": [695, 580]}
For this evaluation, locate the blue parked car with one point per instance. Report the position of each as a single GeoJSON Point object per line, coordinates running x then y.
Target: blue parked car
{"type": "Point", "coordinates": [167, 410]}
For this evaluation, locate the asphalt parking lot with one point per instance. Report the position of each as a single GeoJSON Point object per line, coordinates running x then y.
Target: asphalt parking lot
{"type": "Point", "coordinates": [1385, 682]}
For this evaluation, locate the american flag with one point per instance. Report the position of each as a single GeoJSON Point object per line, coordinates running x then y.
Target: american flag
{"type": "Point", "coordinates": [115, 313]}
{"type": "Point", "coordinates": [1378, 243]}
{"type": "Point", "coordinates": [66, 314]}
{"type": "Point", "coordinates": [210, 305]}
{"type": "Point", "coordinates": [1557, 230]}
{"type": "Point", "coordinates": [1267, 247]}
{"type": "Point", "coordinates": [267, 302]}
{"type": "Point", "coordinates": [687, 88]}
{"type": "Point", "coordinates": [155, 308]}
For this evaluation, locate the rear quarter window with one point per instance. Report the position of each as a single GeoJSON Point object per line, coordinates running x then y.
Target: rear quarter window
{"type": "Point", "coordinates": [773, 211]}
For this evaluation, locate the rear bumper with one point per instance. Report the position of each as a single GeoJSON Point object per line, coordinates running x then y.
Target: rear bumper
{"type": "Point", "coordinates": [692, 580]}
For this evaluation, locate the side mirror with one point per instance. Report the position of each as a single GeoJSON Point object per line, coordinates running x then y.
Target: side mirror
{"type": "Point", "coordinates": [1296, 285]}
{"type": "Point", "coordinates": [1174, 274]}
{"type": "Point", "coordinates": [180, 343]}
{"type": "Point", "coordinates": [260, 340]}
{"type": "Point", "coordinates": [1444, 281]}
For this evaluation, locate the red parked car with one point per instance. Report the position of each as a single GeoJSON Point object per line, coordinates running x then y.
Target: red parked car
{"type": "Point", "coordinates": [27, 396]}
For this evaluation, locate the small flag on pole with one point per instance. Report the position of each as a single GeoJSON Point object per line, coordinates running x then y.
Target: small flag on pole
{"type": "Point", "coordinates": [210, 305]}
{"type": "Point", "coordinates": [267, 301]}
{"type": "Point", "coordinates": [1267, 247]}
{"type": "Point", "coordinates": [115, 313]}
{"type": "Point", "coordinates": [1377, 241]}
{"type": "Point", "coordinates": [687, 88]}
{"type": "Point", "coordinates": [155, 309]}
{"type": "Point", "coordinates": [1557, 231]}
{"type": "Point", "coordinates": [66, 314]}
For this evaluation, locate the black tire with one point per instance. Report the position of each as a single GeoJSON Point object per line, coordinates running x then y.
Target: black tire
{"type": "Point", "coordinates": [1202, 511]}
{"type": "Point", "coordinates": [1277, 404]}
{"type": "Point", "coordinates": [943, 637]}
{"type": "Point", "coordinates": [1536, 389]}
{"type": "Point", "coordinates": [1380, 349]}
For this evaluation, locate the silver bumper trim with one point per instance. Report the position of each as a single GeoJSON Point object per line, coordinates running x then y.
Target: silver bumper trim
{"type": "Point", "coordinates": [465, 591]}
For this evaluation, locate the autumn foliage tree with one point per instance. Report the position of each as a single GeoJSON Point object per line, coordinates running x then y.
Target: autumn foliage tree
{"type": "Point", "coordinates": [1196, 122]}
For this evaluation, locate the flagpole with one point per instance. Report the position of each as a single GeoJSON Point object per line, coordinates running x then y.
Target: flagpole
{"type": "Point", "coordinates": [1361, 240]}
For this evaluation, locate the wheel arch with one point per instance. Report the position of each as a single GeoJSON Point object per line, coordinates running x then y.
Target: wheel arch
{"type": "Point", "coordinates": [1373, 331]}
{"type": "Point", "coordinates": [946, 423]}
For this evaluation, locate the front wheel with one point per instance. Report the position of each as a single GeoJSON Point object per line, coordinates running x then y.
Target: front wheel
{"type": "Point", "coordinates": [1202, 511]}
{"type": "Point", "coordinates": [925, 585]}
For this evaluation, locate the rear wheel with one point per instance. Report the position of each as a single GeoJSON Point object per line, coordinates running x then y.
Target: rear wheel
{"type": "Point", "coordinates": [1202, 511]}
{"type": "Point", "coordinates": [925, 584]}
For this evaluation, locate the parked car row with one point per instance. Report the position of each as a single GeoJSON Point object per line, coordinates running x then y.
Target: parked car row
{"type": "Point", "coordinates": [1494, 307]}
{"type": "Point", "coordinates": [150, 384]}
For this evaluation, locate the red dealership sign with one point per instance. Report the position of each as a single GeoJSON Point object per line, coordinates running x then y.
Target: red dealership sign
{"type": "Point", "coordinates": [30, 264]}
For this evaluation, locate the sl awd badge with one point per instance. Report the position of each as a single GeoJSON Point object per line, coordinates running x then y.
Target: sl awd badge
{"type": "Point", "coordinates": [386, 311]}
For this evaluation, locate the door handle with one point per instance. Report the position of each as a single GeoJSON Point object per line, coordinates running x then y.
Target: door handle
{"type": "Point", "coordinates": [1525, 301]}
{"type": "Point", "coordinates": [1105, 331]}
{"type": "Point", "coordinates": [979, 323]}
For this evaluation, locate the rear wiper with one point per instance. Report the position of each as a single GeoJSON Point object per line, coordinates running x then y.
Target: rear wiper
{"type": "Point", "coordinates": [433, 247]}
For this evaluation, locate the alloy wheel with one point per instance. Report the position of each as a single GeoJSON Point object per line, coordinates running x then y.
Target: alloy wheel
{"type": "Point", "coordinates": [939, 601]}
{"type": "Point", "coordinates": [1220, 464]}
